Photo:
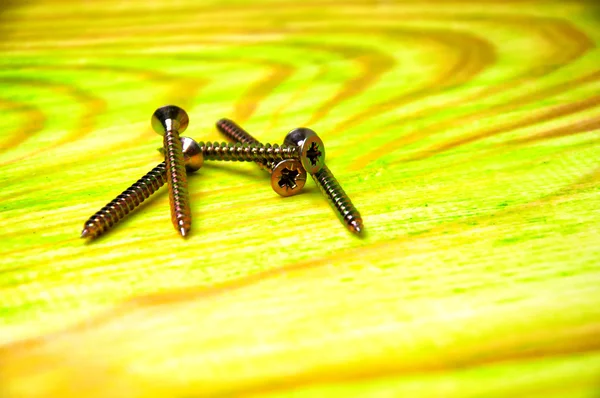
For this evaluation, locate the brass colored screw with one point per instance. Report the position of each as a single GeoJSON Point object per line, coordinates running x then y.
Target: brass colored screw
{"type": "Point", "coordinates": [239, 152]}
{"type": "Point", "coordinates": [133, 196]}
{"type": "Point", "coordinates": [313, 160]}
{"type": "Point", "coordinates": [236, 133]}
{"type": "Point", "coordinates": [287, 176]}
{"type": "Point", "coordinates": [169, 121]}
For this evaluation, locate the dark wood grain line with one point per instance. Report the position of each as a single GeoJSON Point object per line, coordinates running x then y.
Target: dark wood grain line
{"type": "Point", "coordinates": [32, 122]}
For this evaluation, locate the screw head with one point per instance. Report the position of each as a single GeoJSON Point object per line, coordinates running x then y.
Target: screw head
{"type": "Point", "coordinates": [192, 154]}
{"type": "Point", "coordinates": [288, 177]}
{"type": "Point", "coordinates": [169, 117]}
{"type": "Point", "coordinates": [312, 150]}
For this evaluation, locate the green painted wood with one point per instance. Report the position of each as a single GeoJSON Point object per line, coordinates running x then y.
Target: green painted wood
{"type": "Point", "coordinates": [466, 133]}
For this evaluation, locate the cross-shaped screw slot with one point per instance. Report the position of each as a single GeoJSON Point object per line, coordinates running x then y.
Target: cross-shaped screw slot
{"type": "Point", "coordinates": [288, 177]}
{"type": "Point", "coordinates": [313, 153]}
{"type": "Point", "coordinates": [287, 180]}
{"type": "Point", "coordinates": [312, 150]}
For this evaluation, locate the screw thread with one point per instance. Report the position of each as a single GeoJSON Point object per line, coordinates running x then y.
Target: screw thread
{"type": "Point", "coordinates": [338, 199]}
{"type": "Point", "coordinates": [236, 133]}
{"type": "Point", "coordinates": [126, 202]}
{"type": "Point", "coordinates": [181, 214]}
{"type": "Point", "coordinates": [239, 152]}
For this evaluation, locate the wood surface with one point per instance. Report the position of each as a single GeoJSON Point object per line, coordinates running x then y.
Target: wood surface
{"type": "Point", "coordinates": [466, 132]}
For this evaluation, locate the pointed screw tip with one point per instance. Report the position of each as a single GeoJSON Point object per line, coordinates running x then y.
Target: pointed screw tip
{"type": "Point", "coordinates": [184, 232]}
{"type": "Point", "coordinates": [356, 227]}
{"type": "Point", "coordinates": [85, 233]}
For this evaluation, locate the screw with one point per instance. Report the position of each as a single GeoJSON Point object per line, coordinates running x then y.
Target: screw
{"type": "Point", "coordinates": [236, 133]}
{"type": "Point", "coordinates": [313, 156]}
{"type": "Point", "coordinates": [133, 196]}
{"type": "Point", "coordinates": [169, 121]}
{"type": "Point", "coordinates": [287, 176]}
{"type": "Point", "coordinates": [239, 152]}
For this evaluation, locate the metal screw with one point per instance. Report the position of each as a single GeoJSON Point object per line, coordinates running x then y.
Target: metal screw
{"type": "Point", "coordinates": [236, 133]}
{"type": "Point", "coordinates": [239, 152]}
{"type": "Point", "coordinates": [169, 121]}
{"type": "Point", "coordinates": [313, 155]}
{"type": "Point", "coordinates": [287, 176]}
{"type": "Point", "coordinates": [133, 196]}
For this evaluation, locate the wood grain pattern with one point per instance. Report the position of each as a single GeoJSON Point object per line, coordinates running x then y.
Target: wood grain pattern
{"type": "Point", "coordinates": [466, 132]}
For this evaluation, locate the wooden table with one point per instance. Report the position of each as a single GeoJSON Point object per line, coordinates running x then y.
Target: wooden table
{"type": "Point", "coordinates": [467, 133]}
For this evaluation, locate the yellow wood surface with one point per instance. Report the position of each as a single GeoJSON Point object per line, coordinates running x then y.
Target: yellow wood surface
{"type": "Point", "coordinates": [466, 132]}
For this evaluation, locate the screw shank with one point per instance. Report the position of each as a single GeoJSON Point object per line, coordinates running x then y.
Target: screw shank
{"type": "Point", "coordinates": [338, 199]}
{"type": "Point", "coordinates": [181, 214]}
{"type": "Point", "coordinates": [123, 204]}
{"type": "Point", "coordinates": [235, 133]}
{"type": "Point", "coordinates": [247, 152]}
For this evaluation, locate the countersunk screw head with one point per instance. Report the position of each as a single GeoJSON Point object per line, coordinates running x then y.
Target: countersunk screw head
{"type": "Point", "coordinates": [288, 177]}
{"type": "Point", "coordinates": [169, 117]}
{"type": "Point", "coordinates": [192, 154]}
{"type": "Point", "coordinates": [312, 150]}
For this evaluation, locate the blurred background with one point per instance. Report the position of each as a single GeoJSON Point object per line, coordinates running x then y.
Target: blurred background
{"type": "Point", "coordinates": [466, 133]}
